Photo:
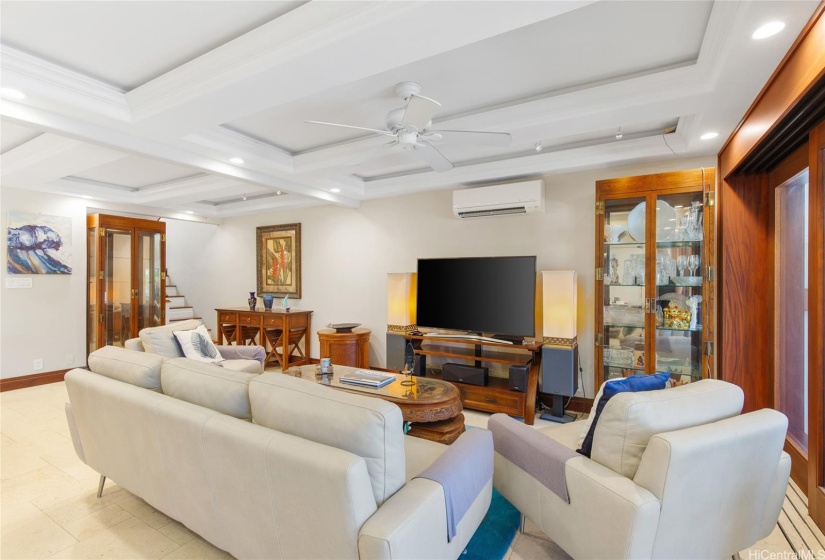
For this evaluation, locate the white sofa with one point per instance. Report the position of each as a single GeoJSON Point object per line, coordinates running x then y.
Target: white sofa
{"type": "Point", "coordinates": [676, 473]}
{"type": "Point", "coordinates": [161, 341]}
{"type": "Point", "coordinates": [264, 466]}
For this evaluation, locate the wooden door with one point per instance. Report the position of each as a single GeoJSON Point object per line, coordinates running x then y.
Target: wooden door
{"type": "Point", "coordinates": [816, 325]}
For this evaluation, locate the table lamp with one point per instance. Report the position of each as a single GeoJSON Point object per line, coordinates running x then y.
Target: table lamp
{"type": "Point", "coordinates": [560, 352]}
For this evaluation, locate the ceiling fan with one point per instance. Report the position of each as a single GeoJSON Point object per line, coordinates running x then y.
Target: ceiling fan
{"type": "Point", "coordinates": [409, 127]}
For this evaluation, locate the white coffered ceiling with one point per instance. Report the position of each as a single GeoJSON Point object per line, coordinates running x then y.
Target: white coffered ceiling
{"type": "Point", "coordinates": [145, 103]}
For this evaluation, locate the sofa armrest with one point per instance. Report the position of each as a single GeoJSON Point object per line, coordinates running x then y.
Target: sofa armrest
{"type": "Point", "coordinates": [411, 524]}
{"type": "Point", "coordinates": [232, 352]}
{"type": "Point", "coordinates": [609, 516]}
{"type": "Point", "coordinates": [78, 445]}
{"type": "Point", "coordinates": [134, 344]}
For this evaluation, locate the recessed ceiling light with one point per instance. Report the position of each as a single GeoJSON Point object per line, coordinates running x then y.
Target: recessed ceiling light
{"type": "Point", "coordinates": [335, 190]}
{"type": "Point", "coordinates": [236, 160]}
{"type": "Point", "coordinates": [279, 192]}
{"type": "Point", "coordinates": [769, 29]}
{"type": "Point", "coordinates": [12, 93]}
{"type": "Point", "coordinates": [709, 135]}
{"type": "Point", "coordinates": [619, 134]}
{"type": "Point", "coordinates": [189, 212]}
{"type": "Point", "coordinates": [539, 147]}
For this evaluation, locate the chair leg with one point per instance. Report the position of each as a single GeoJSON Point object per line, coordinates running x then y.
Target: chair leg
{"type": "Point", "coordinates": [522, 523]}
{"type": "Point", "coordinates": [100, 486]}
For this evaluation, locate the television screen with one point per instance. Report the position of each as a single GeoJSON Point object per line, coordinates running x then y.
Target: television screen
{"type": "Point", "coordinates": [488, 295]}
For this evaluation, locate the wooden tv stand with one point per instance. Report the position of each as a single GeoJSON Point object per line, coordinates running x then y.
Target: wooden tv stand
{"type": "Point", "coordinates": [496, 396]}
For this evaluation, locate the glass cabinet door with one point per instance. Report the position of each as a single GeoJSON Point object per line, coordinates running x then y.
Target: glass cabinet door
{"type": "Point", "coordinates": [679, 278]}
{"type": "Point", "coordinates": [117, 287]}
{"type": "Point", "coordinates": [149, 305]}
{"type": "Point", "coordinates": [624, 271]}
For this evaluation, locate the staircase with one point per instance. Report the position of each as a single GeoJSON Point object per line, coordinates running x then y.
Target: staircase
{"type": "Point", "coordinates": [176, 308]}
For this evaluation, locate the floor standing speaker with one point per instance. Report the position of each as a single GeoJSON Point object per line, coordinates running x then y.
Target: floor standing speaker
{"type": "Point", "coordinates": [420, 368]}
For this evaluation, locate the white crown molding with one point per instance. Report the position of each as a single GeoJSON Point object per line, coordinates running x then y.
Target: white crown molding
{"type": "Point", "coordinates": [235, 144]}
{"type": "Point", "coordinates": [535, 164]}
{"type": "Point", "coordinates": [40, 78]}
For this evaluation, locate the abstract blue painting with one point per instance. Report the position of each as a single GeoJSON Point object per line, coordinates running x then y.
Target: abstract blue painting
{"type": "Point", "coordinates": [39, 244]}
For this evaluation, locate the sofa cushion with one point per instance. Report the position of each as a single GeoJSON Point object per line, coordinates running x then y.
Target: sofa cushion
{"type": "Point", "coordinates": [629, 420]}
{"type": "Point", "coordinates": [135, 368]}
{"type": "Point", "coordinates": [368, 427]}
{"type": "Point", "coordinates": [207, 385]}
{"type": "Point", "coordinates": [246, 366]}
{"type": "Point", "coordinates": [632, 384]}
{"type": "Point", "coordinates": [161, 341]}
{"type": "Point", "coordinates": [197, 345]}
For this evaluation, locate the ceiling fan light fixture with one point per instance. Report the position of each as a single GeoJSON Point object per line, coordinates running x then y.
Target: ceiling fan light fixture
{"type": "Point", "coordinates": [539, 147]}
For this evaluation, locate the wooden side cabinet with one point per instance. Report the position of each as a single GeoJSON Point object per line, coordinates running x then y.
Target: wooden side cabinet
{"type": "Point", "coordinates": [346, 348]}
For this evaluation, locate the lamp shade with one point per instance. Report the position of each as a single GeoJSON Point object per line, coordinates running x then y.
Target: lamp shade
{"type": "Point", "coordinates": [401, 300]}
{"type": "Point", "coordinates": [559, 304]}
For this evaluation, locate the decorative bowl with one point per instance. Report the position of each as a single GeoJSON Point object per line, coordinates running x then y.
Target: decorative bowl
{"type": "Point", "coordinates": [665, 221]}
{"type": "Point", "coordinates": [613, 232]}
{"type": "Point", "coordinates": [343, 327]}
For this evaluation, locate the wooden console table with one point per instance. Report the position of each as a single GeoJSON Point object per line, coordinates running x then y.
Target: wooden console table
{"type": "Point", "coordinates": [496, 396]}
{"type": "Point", "coordinates": [278, 331]}
{"type": "Point", "coordinates": [346, 348]}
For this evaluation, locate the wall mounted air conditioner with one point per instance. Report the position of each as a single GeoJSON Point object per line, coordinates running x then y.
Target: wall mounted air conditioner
{"type": "Point", "coordinates": [499, 200]}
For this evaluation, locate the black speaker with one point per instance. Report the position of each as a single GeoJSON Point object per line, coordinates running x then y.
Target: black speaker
{"type": "Point", "coordinates": [462, 373]}
{"type": "Point", "coordinates": [420, 367]}
{"type": "Point", "coordinates": [518, 377]}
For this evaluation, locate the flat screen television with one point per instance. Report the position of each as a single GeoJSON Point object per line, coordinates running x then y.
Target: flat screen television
{"type": "Point", "coordinates": [494, 295]}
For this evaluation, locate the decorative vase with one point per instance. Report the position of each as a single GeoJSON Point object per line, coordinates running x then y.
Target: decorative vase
{"type": "Point", "coordinates": [253, 301]}
{"type": "Point", "coordinates": [268, 299]}
{"type": "Point", "coordinates": [286, 303]}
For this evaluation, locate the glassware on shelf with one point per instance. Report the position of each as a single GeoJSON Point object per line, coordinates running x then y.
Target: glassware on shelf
{"type": "Point", "coordinates": [640, 272]}
{"type": "Point", "coordinates": [693, 264]}
{"type": "Point", "coordinates": [682, 264]}
{"type": "Point", "coordinates": [612, 232]}
{"type": "Point", "coordinates": [629, 275]}
{"type": "Point", "coordinates": [614, 270]}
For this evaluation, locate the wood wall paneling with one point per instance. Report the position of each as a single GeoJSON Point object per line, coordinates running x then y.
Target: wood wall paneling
{"type": "Point", "coordinates": [745, 318]}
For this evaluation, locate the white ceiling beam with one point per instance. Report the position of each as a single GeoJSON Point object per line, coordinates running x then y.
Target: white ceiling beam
{"type": "Point", "coordinates": [272, 204]}
{"type": "Point", "coordinates": [314, 48]}
{"type": "Point", "coordinates": [191, 189]}
{"type": "Point", "coordinates": [49, 157]}
{"type": "Point", "coordinates": [68, 126]}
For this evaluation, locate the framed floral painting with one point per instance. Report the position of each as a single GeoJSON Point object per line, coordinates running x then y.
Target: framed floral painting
{"type": "Point", "coordinates": [279, 260]}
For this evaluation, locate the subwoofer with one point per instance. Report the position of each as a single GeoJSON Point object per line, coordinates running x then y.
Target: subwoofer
{"type": "Point", "coordinates": [518, 377]}
{"type": "Point", "coordinates": [462, 373]}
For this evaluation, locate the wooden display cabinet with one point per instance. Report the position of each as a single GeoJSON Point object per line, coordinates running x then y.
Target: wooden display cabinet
{"type": "Point", "coordinates": [654, 275]}
{"type": "Point", "coordinates": [496, 396]}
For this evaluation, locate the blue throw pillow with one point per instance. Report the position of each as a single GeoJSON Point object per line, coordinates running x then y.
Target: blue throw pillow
{"type": "Point", "coordinates": [632, 384]}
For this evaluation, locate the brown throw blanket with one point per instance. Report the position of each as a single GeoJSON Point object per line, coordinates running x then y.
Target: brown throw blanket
{"type": "Point", "coordinates": [541, 457]}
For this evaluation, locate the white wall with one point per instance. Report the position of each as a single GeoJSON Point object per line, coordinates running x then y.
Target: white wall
{"type": "Point", "coordinates": [346, 257]}
{"type": "Point", "coordinates": [47, 321]}
{"type": "Point", "coordinates": [347, 253]}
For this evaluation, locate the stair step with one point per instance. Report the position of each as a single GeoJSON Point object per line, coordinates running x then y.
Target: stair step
{"type": "Point", "coordinates": [175, 300]}
{"type": "Point", "coordinates": [172, 291]}
{"type": "Point", "coordinates": [173, 313]}
{"type": "Point", "coordinates": [187, 319]}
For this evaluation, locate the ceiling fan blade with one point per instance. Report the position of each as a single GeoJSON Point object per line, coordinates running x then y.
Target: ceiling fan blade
{"type": "Point", "coordinates": [433, 157]}
{"type": "Point", "coordinates": [371, 154]}
{"type": "Point", "coordinates": [419, 111]}
{"type": "Point", "coordinates": [384, 132]}
{"type": "Point", "coordinates": [475, 137]}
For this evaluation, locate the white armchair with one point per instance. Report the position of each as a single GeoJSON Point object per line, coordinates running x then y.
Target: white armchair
{"type": "Point", "coordinates": [676, 473]}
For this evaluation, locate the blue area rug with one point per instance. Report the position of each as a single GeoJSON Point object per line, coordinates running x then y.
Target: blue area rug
{"type": "Point", "coordinates": [496, 532]}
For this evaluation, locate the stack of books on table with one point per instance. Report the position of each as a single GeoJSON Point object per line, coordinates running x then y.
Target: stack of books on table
{"type": "Point", "coordinates": [367, 378]}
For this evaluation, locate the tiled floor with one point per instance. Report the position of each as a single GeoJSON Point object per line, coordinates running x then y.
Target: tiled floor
{"type": "Point", "coordinates": [48, 507]}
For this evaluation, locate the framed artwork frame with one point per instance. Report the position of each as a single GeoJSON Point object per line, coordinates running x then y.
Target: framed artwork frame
{"type": "Point", "coordinates": [278, 251]}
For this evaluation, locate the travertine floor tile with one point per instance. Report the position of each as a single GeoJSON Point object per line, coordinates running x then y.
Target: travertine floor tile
{"type": "Point", "coordinates": [65, 507]}
{"type": "Point", "coordinates": [67, 461]}
{"type": "Point", "coordinates": [198, 549]}
{"type": "Point", "coordinates": [144, 512]}
{"type": "Point", "coordinates": [177, 532]}
{"type": "Point", "coordinates": [131, 538]}
{"type": "Point", "coordinates": [29, 533]}
{"type": "Point", "coordinates": [96, 522]}
{"type": "Point", "coordinates": [32, 485]}
{"type": "Point", "coordinates": [19, 458]}
{"type": "Point", "coordinates": [528, 547]}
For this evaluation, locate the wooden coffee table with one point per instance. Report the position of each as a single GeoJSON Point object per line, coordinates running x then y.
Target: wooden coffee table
{"type": "Point", "coordinates": [432, 406]}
